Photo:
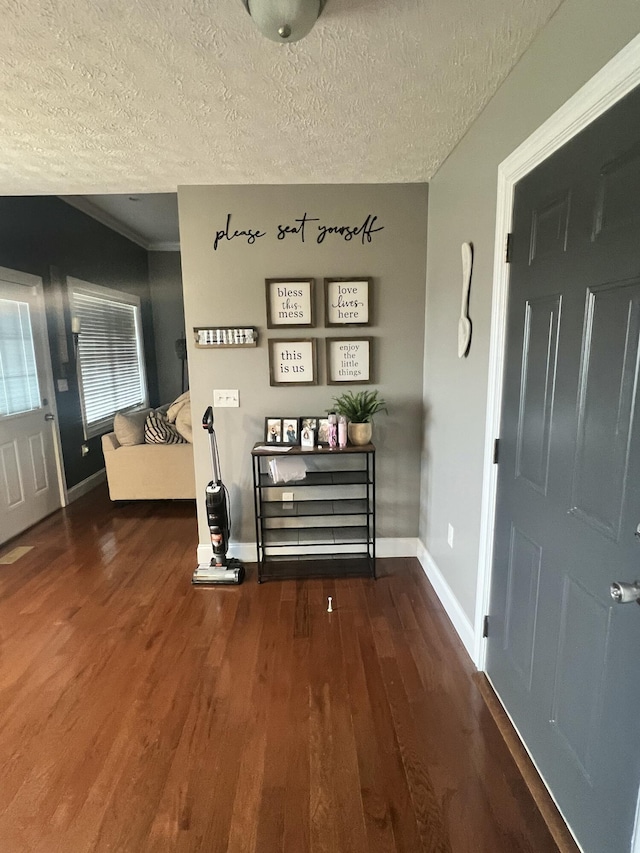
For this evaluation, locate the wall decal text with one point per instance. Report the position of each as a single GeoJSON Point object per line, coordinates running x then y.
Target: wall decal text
{"type": "Point", "coordinates": [303, 230]}
{"type": "Point", "coordinates": [251, 234]}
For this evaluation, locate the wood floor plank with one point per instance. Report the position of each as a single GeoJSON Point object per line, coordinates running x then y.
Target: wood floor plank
{"type": "Point", "coordinates": [343, 765]}
{"type": "Point", "coordinates": [397, 793]}
{"type": "Point", "coordinates": [141, 714]}
{"type": "Point", "coordinates": [323, 805]}
{"type": "Point", "coordinates": [277, 678]}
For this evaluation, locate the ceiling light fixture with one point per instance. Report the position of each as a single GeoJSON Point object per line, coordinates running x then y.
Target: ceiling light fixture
{"type": "Point", "coordinates": [284, 21]}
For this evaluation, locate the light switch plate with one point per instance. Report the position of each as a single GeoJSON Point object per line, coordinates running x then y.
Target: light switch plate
{"type": "Point", "coordinates": [229, 398]}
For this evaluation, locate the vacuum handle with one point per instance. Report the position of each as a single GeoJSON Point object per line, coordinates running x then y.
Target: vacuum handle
{"type": "Point", "coordinates": [207, 420]}
{"type": "Point", "coordinates": [207, 424]}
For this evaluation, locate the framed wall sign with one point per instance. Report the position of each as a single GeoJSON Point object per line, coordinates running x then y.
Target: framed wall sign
{"type": "Point", "coordinates": [292, 362]}
{"type": "Point", "coordinates": [289, 302]}
{"type": "Point", "coordinates": [347, 301]}
{"type": "Point", "coordinates": [225, 336]}
{"type": "Point", "coordinates": [349, 360]}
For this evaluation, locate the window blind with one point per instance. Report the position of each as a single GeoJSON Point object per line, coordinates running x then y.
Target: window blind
{"type": "Point", "coordinates": [19, 388]}
{"type": "Point", "coordinates": [110, 360]}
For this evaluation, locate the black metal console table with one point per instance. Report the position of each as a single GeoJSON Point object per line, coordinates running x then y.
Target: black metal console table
{"type": "Point", "coordinates": [328, 528]}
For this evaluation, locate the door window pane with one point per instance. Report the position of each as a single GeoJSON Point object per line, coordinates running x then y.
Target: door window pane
{"type": "Point", "coordinates": [19, 389]}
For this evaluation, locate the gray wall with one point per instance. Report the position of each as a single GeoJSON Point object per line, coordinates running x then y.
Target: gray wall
{"type": "Point", "coordinates": [227, 286]}
{"type": "Point", "coordinates": [165, 285]}
{"type": "Point", "coordinates": [581, 37]}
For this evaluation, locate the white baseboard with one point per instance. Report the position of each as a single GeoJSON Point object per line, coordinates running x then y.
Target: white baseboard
{"type": "Point", "coordinates": [246, 551]}
{"type": "Point", "coordinates": [85, 486]}
{"type": "Point", "coordinates": [454, 611]}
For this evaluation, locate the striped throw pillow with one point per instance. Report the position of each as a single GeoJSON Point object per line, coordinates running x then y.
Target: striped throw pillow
{"type": "Point", "coordinates": [158, 430]}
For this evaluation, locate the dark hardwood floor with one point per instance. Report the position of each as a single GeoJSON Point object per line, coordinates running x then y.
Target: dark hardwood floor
{"type": "Point", "coordinates": [140, 713]}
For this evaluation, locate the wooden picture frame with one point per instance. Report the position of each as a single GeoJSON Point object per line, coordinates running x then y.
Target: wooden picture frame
{"type": "Point", "coordinates": [289, 302]}
{"type": "Point", "coordinates": [292, 362]}
{"type": "Point", "coordinates": [347, 301]}
{"type": "Point", "coordinates": [349, 361]}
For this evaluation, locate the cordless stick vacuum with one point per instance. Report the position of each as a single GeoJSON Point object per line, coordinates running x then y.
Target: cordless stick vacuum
{"type": "Point", "coordinates": [221, 569]}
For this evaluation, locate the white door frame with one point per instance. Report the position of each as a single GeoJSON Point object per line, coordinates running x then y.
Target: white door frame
{"type": "Point", "coordinates": [29, 280]}
{"type": "Point", "coordinates": [616, 79]}
{"type": "Point", "coordinates": [609, 85]}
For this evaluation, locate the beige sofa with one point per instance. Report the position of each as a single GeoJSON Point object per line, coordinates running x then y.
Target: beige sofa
{"type": "Point", "coordinates": [148, 471]}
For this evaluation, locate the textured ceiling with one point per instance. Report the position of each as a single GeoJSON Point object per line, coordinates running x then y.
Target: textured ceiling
{"type": "Point", "coordinates": [132, 96]}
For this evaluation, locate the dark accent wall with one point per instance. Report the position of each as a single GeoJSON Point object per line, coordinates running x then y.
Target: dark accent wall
{"type": "Point", "coordinates": [165, 281]}
{"type": "Point", "coordinates": [47, 237]}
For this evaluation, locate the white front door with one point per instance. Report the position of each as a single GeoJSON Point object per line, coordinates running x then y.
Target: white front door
{"type": "Point", "coordinates": [30, 470]}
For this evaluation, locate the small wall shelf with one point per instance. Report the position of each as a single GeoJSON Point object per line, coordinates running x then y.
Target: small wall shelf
{"type": "Point", "coordinates": [219, 337]}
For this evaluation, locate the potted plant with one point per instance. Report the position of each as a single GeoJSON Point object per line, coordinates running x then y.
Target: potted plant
{"type": "Point", "coordinates": [359, 409]}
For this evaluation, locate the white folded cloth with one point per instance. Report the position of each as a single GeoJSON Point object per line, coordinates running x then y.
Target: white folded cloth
{"type": "Point", "coordinates": [286, 469]}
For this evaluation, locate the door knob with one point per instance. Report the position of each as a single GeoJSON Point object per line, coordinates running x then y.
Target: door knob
{"type": "Point", "coordinates": [622, 592]}
{"type": "Point", "coordinates": [49, 417]}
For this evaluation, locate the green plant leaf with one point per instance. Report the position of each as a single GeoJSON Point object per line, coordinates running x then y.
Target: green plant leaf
{"type": "Point", "coordinates": [359, 407]}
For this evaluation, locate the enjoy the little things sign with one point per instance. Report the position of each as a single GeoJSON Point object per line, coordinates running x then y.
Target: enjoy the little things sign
{"type": "Point", "coordinates": [348, 360]}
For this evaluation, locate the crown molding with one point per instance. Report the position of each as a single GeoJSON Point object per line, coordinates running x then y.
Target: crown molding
{"type": "Point", "coordinates": [106, 219]}
{"type": "Point", "coordinates": [164, 247]}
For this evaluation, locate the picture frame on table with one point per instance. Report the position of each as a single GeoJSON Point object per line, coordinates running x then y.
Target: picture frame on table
{"type": "Point", "coordinates": [307, 438]}
{"type": "Point", "coordinates": [347, 301]}
{"type": "Point", "coordinates": [273, 430]}
{"type": "Point", "coordinates": [308, 431]}
{"type": "Point", "coordinates": [290, 302]}
{"type": "Point", "coordinates": [323, 432]}
{"type": "Point", "coordinates": [290, 431]}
